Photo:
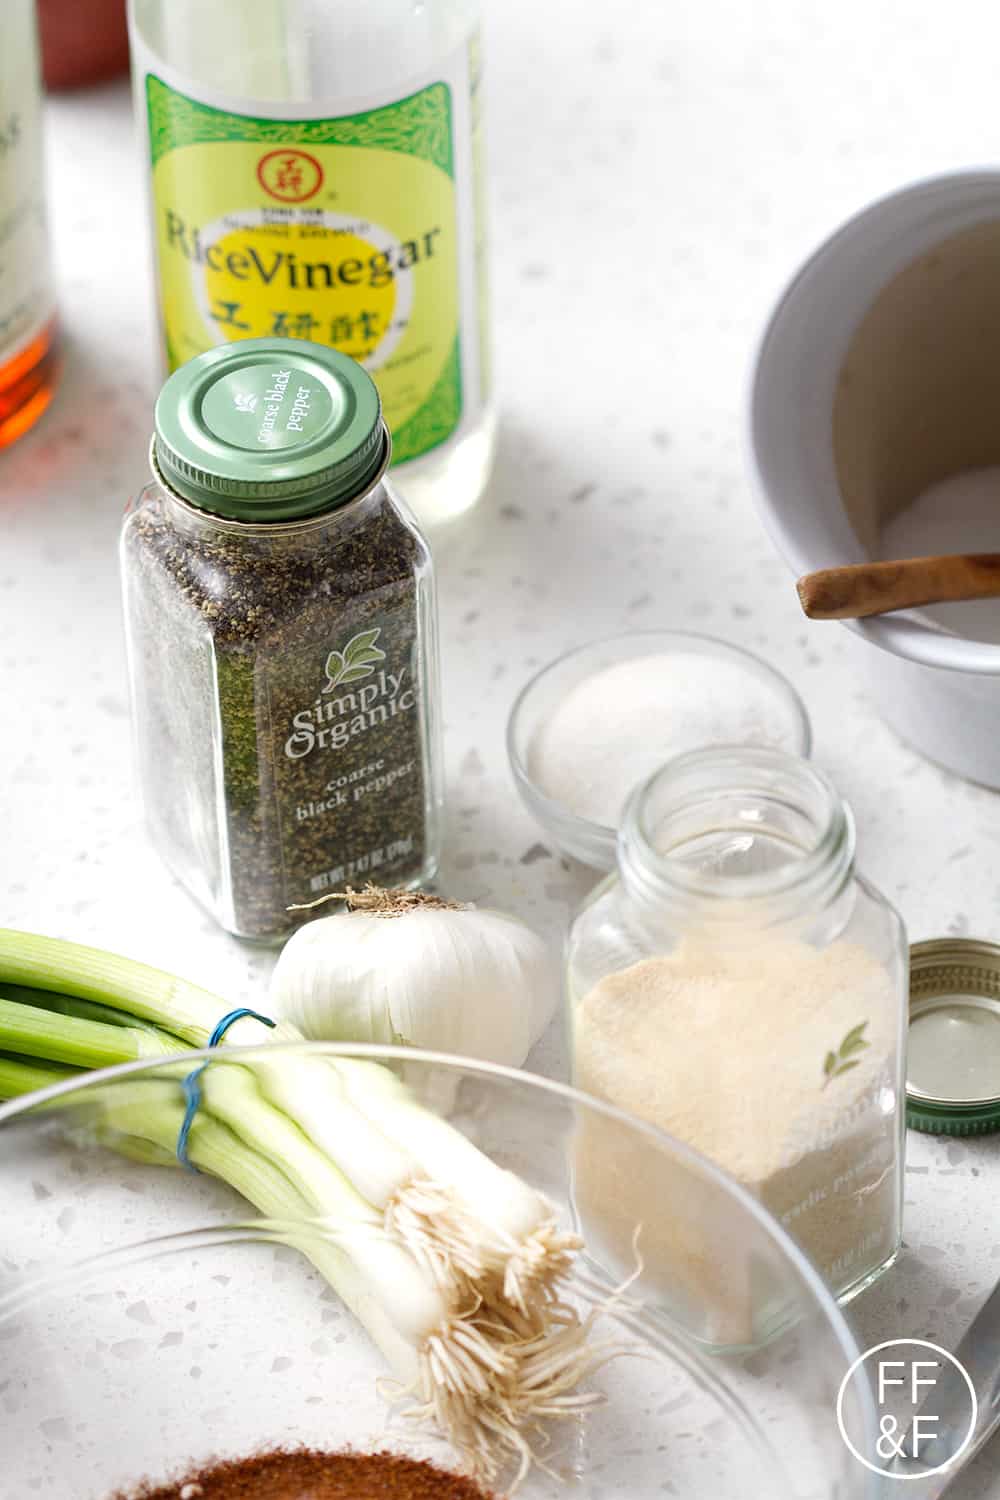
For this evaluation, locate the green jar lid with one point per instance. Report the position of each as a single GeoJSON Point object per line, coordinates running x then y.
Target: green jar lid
{"type": "Point", "coordinates": [953, 1045]}
{"type": "Point", "coordinates": [269, 430]}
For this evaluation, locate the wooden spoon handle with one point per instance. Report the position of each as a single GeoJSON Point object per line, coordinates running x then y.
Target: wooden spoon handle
{"type": "Point", "coordinates": [878, 588]}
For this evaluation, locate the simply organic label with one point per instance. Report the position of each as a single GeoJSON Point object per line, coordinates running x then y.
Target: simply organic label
{"type": "Point", "coordinates": [25, 288]}
{"type": "Point", "coordinates": [348, 762]}
{"type": "Point", "coordinates": [358, 231]}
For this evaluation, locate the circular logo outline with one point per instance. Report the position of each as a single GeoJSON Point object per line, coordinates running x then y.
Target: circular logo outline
{"type": "Point", "coordinates": [895, 1344]}
{"type": "Point", "coordinates": [290, 151]}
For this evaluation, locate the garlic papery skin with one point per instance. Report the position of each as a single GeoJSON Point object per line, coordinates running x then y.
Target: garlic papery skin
{"type": "Point", "coordinates": [466, 980]}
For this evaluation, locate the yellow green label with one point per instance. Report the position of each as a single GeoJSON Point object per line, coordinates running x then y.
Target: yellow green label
{"type": "Point", "coordinates": [343, 231]}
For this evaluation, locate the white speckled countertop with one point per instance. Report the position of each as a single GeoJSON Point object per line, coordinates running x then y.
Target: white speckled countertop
{"type": "Point", "coordinates": [656, 173]}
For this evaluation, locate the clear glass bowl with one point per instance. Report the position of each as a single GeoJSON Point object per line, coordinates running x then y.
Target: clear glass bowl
{"type": "Point", "coordinates": [150, 1319]}
{"type": "Point", "coordinates": [594, 843]}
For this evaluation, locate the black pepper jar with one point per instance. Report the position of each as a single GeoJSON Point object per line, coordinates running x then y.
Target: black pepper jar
{"type": "Point", "coordinates": [282, 639]}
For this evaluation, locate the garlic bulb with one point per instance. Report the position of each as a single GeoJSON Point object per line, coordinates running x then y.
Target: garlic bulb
{"type": "Point", "coordinates": [403, 967]}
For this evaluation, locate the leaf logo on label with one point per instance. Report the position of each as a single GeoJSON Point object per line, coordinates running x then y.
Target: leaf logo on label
{"type": "Point", "coordinates": [357, 660]}
{"type": "Point", "coordinates": [844, 1059]}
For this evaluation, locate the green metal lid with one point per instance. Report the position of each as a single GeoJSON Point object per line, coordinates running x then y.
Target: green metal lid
{"type": "Point", "coordinates": [953, 1051]}
{"type": "Point", "coordinates": [269, 430]}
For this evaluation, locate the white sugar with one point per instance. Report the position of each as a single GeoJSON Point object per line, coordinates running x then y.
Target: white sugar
{"type": "Point", "coordinates": [617, 727]}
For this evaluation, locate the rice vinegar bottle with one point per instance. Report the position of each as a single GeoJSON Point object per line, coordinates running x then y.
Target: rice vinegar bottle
{"type": "Point", "coordinates": [316, 172]}
{"type": "Point", "coordinates": [28, 363]}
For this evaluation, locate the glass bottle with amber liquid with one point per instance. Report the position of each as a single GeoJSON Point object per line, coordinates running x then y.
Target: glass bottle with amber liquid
{"type": "Point", "coordinates": [28, 364]}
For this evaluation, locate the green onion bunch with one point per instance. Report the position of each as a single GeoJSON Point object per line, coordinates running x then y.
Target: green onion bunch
{"type": "Point", "coordinates": [456, 1268]}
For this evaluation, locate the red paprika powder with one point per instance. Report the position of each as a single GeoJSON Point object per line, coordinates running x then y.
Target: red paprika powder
{"type": "Point", "coordinates": [306, 1474]}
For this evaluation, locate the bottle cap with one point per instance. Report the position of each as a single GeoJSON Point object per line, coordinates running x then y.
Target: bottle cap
{"type": "Point", "coordinates": [269, 430]}
{"type": "Point", "coordinates": [953, 1052]}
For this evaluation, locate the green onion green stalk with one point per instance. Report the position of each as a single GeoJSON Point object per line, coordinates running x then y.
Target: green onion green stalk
{"type": "Point", "coordinates": [453, 1265]}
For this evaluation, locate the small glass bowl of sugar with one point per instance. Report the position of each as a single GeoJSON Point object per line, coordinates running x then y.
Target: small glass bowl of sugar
{"type": "Point", "coordinates": [592, 725]}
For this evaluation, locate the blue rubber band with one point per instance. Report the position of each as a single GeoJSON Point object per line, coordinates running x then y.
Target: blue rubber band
{"type": "Point", "coordinates": [192, 1084]}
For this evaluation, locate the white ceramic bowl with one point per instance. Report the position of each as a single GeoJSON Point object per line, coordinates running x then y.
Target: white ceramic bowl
{"type": "Point", "coordinates": [878, 374]}
{"type": "Point", "coordinates": [594, 843]}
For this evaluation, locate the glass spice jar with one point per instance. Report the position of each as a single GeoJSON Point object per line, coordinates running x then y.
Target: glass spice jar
{"type": "Point", "coordinates": [282, 639]}
{"type": "Point", "coordinates": [739, 985]}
